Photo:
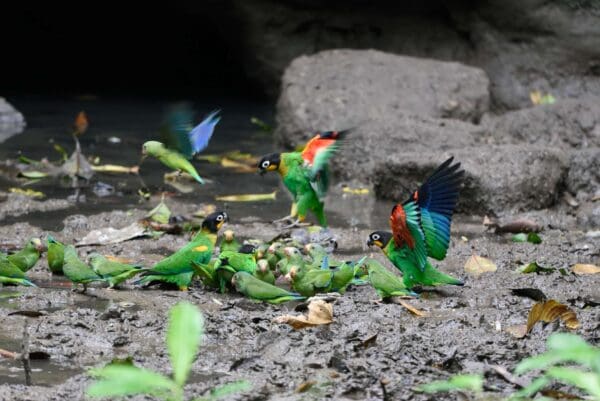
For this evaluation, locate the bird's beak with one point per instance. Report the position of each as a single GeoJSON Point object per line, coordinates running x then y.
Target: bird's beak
{"type": "Point", "coordinates": [39, 246]}
{"type": "Point", "coordinates": [369, 242]}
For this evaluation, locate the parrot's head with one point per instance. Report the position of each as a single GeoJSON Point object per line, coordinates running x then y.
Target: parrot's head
{"type": "Point", "coordinates": [269, 162]}
{"type": "Point", "coordinates": [379, 238]}
{"type": "Point", "coordinates": [151, 148]}
{"type": "Point", "coordinates": [214, 221]}
{"type": "Point", "coordinates": [37, 244]}
{"type": "Point", "coordinates": [291, 251]}
{"type": "Point", "coordinates": [274, 247]}
{"type": "Point", "coordinates": [263, 265]}
{"type": "Point", "coordinates": [228, 236]}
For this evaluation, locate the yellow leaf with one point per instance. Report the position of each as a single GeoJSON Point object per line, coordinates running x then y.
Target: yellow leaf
{"type": "Point", "coordinates": [356, 191]}
{"type": "Point", "coordinates": [239, 167]}
{"type": "Point", "coordinates": [549, 311]}
{"type": "Point", "coordinates": [582, 269]}
{"type": "Point", "coordinates": [319, 312]}
{"type": "Point", "coordinates": [113, 168]}
{"type": "Point", "coordinates": [247, 197]}
{"type": "Point", "coordinates": [411, 308]}
{"type": "Point", "coordinates": [477, 265]}
{"type": "Point", "coordinates": [518, 331]}
{"type": "Point", "coordinates": [27, 192]}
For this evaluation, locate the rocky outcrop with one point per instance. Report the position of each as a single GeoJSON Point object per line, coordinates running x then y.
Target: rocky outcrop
{"type": "Point", "coordinates": [11, 121]}
{"type": "Point", "coordinates": [584, 172]}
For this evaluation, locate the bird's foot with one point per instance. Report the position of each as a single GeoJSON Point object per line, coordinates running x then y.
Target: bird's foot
{"type": "Point", "coordinates": [284, 219]}
{"type": "Point", "coordinates": [295, 224]}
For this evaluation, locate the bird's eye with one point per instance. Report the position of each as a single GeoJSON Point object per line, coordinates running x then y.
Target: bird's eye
{"type": "Point", "coordinates": [220, 217]}
{"type": "Point", "coordinates": [375, 237]}
{"type": "Point", "coordinates": [265, 164]}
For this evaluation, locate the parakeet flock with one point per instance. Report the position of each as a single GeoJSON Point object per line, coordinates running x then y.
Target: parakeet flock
{"type": "Point", "coordinates": [280, 270]}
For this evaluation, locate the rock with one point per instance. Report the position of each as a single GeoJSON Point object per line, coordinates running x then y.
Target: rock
{"type": "Point", "coordinates": [588, 216]}
{"type": "Point", "coordinates": [498, 179]}
{"type": "Point", "coordinates": [584, 171]}
{"type": "Point", "coordinates": [11, 121]}
{"type": "Point", "coordinates": [339, 89]}
{"type": "Point", "coordinates": [567, 123]}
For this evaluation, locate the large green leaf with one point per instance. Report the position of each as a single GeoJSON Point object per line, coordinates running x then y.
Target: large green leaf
{"type": "Point", "coordinates": [123, 380]}
{"type": "Point", "coordinates": [183, 337]}
{"type": "Point", "coordinates": [528, 391]}
{"type": "Point", "coordinates": [226, 389]}
{"type": "Point", "coordinates": [458, 382]}
{"type": "Point", "coordinates": [589, 382]}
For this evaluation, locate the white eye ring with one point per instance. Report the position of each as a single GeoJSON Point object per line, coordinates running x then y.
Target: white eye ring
{"type": "Point", "coordinates": [375, 237]}
{"type": "Point", "coordinates": [265, 164]}
{"type": "Point", "coordinates": [220, 217]}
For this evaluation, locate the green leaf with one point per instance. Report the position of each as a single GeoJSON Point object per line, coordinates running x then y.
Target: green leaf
{"type": "Point", "coordinates": [63, 153]}
{"type": "Point", "coordinates": [587, 381]}
{"type": "Point", "coordinates": [227, 389]}
{"type": "Point", "coordinates": [458, 382]}
{"type": "Point", "coordinates": [528, 391]}
{"type": "Point", "coordinates": [160, 213]}
{"type": "Point", "coordinates": [261, 124]}
{"type": "Point", "coordinates": [183, 337]}
{"type": "Point", "coordinates": [533, 267]}
{"type": "Point", "coordinates": [534, 238]}
{"type": "Point", "coordinates": [34, 175]}
{"type": "Point", "coordinates": [521, 237]}
{"type": "Point", "coordinates": [123, 380]}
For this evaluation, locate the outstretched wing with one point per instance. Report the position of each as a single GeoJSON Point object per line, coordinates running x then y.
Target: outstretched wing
{"type": "Point", "coordinates": [316, 155]}
{"type": "Point", "coordinates": [406, 231]}
{"type": "Point", "coordinates": [175, 128]}
{"type": "Point", "coordinates": [201, 134]}
{"type": "Point", "coordinates": [437, 199]}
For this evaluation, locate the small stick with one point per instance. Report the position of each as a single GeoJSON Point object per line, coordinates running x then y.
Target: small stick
{"type": "Point", "coordinates": [25, 354]}
{"type": "Point", "coordinates": [383, 382]}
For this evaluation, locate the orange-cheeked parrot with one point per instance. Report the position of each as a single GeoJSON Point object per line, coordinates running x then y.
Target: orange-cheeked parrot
{"type": "Point", "coordinates": [421, 228]}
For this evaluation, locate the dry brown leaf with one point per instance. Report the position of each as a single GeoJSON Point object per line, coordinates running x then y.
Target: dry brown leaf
{"type": "Point", "coordinates": [319, 312]}
{"type": "Point", "coordinates": [110, 235]}
{"type": "Point", "coordinates": [518, 331]}
{"type": "Point", "coordinates": [549, 311]}
{"type": "Point", "coordinates": [410, 308]}
{"type": "Point", "coordinates": [477, 265]}
{"type": "Point", "coordinates": [307, 385]}
{"type": "Point", "coordinates": [582, 269]}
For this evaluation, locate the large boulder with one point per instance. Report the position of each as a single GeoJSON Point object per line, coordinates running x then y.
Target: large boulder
{"type": "Point", "coordinates": [567, 123]}
{"type": "Point", "coordinates": [11, 120]}
{"type": "Point", "coordinates": [344, 88]}
{"type": "Point", "coordinates": [584, 172]}
{"type": "Point", "coordinates": [499, 179]}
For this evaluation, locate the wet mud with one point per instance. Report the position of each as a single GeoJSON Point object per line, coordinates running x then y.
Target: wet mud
{"type": "Point", "coordinates": [370, 349]}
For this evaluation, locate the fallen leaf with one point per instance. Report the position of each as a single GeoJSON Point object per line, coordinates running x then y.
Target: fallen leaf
{"type": "Point", "coordinates": [571, 201]}
{"type": "Point", "coordinates": [410, 308]}
{"type": "Point", "coordinates": [532, 293]}
{"type": "Point", "coordinates": [582, 269]}
{"type": "Point", "coordinates": [172, 180]}
{"type": "Point", "coordinates": [533, 267]}
{"type": "Point", "coordinates": [78, 165]}
{"type": "Point", "coordinates": [307, 385]}
{"type": "Point", "coordinates": [247, 197]}
{"type": "Point", "coordinates": [519, 226]}
{"type": "Point", "coordinates": [537, 98]}
{"type": "Point", "coordinates": [530, 237]}
{"type": "Point", "coordinates": [111, 235]}
{"type": "Point", "coordinates": [319, 312]}
{"type": "Point", "coordinates": [549, 311]}
{"type": "Point", "coordinates": [27, 192]}
{"type": "Point", "coordinates": [113, 168]}
{"type": "Point", "coordinates": [237, 166]}
{"type": "Point", "coordinates": [518, 331]}
{"type": "Point", "coordinates": [28, 313]}
{"type": "Point", "coordinates": [34, 175]}
{"type": "Point", "coordinates": [477, 265]}
{"type": "Point", "coordinates": [205, 209]}
{"type": "Point", "coordinates": [355, 191]}
{"type": "Point", "coordinates": [161, 213]}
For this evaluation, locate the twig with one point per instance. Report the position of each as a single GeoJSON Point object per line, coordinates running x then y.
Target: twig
{"type": "Point", "coordinates": [507, 376]}
{"type": "Point", "coordinates": [25, 354]}
{"type": "Point", "coordinates": [385, 395]}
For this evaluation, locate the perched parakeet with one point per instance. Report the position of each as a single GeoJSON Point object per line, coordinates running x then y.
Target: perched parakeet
{"type": "Point", "coordinates": [421, 228]}
{"type": "Point", "coordinates": [114, 272]}
{"type": "Point", "coordinates": [263, 272]}
{"type": "Point", "coordinates": [341, 278]}
{"type": "Point", "coordinates": [385, 283]}
{"type": "Point", "coordinates": [256, 289]}
{"type": "Point", "coordinates": [305, 174]}
{"type": "Point", "coordinates": [206, 273]}
{"type": "Point", "coordinates": [309, 282]}
{"type": "Point", "coordinates": [178, 268]}
{"type": "Point", "coordinates": [316, 251]}
{"type": "Point", "coordinates": [229, 242]}
{"type": "Point", "coordinates": [27, 257]}
{"type": "Point", "coordinates": [11, 274]}
{"type": "Point", "coordinates": [77, 271]}
{"type": "Point", "coordinates": [231, 262]}
{"type": "Point", "coordinates": [55, 255]}
{"type": "Point", "coordinates": [182, 140]}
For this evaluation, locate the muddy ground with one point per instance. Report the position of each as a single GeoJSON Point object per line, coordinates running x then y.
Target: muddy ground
{"type": "Point", "coordinates": [465, 331]}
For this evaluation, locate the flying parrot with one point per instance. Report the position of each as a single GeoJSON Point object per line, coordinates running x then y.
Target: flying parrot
{"type": "Point", "coordinates": [179, 268]}
{"type": "Point", "coordinates": [77, 271]}
{"type": "Point", "coordinates": [421, 228]}
{"type": "Point", "coordinates": [27, 257]}
{"type": "Point", "coordinates": [11, 274]}
{"type": "Point", "coordinates": [305, 174]}
{"type": "Point", "coordinates": [182, 140]}
{"type": "Point", "coordinates": [256, 289]}
{"type": "Point", "coordinates": [55, 255]}
{"type": "Point", "coordinates": [114, 272]}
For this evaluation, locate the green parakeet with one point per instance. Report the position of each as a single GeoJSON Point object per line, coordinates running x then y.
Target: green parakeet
{"type": "Point", "coordinates": [229, 242]}
{"type": "Point", "coordinates": [206, 273]}
{"type": "Point", "coordinates": [305, 174]}
{"type": "Point", "coordinates": [77, 271]}
{"type": "Point", "coordinates": [11, 274]}
{"type": "Point", "coordinates": [309, 282]}
{"type": "Point", "coordinates": [27, 257]}
{"type": "Point", "coordinates": [114, 272]}
{"type": "Point", "coordinates": [385, 283]}
{"type": "Point", "coordinates": [231, 262]}
{"type": "Point", "coordinates": [178, 268]}
{"type": "Point", "coordinates": [263, 272]}
{"type": "Point", "coordinates": [55, 255]}
{"type": "Point", "coordinates": [258, 290]}
{"type": "Point", "coordinates": [421, 228]}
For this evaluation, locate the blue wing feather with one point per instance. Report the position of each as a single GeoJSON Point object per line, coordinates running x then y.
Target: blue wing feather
{"type": "Point", "coordinates": [201, 134]}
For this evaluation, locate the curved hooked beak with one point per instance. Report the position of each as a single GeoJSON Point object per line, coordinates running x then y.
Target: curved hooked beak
{"type": "Point", "coordinates": [370, 242]}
